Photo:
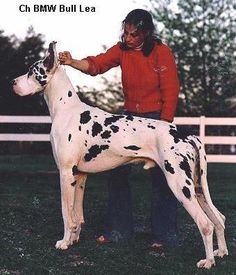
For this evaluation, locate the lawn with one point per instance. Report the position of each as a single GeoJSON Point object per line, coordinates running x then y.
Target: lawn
{"type": "Point", "coordinates": [31, 223]}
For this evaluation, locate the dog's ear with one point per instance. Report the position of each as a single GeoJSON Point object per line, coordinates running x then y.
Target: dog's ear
{"type": "Point", "coordinates": [48, 62]}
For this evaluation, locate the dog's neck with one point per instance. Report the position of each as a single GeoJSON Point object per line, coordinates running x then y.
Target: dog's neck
{"type": "Point", "coordinates": [60, 93]}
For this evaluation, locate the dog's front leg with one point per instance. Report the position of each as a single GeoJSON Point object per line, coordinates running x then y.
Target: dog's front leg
{"type": "Point", "coordinates": [67, 182]}
{"type": "Point", "coordinates": [78, 213]}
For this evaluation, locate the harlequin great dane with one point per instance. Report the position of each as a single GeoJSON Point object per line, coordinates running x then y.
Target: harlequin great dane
{"type": "Point", "coordinates": [88, 140]}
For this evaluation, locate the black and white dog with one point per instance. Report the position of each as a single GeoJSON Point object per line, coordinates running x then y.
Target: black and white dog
{"type": "Point", "coordinates": [88, 140]}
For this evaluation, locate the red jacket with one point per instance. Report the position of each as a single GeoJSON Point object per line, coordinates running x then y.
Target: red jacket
{"type": "Point", "coordinates": [149, 83]}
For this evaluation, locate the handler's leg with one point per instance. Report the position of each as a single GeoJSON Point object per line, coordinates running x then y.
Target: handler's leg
{"type": "Point", "coordinates": [163, 210]}
{"type": "Point", "coordinates": [119, 219]}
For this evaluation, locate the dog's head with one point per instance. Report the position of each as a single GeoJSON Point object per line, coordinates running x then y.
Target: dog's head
{"type": "Point", "coordinates": [39, 74]}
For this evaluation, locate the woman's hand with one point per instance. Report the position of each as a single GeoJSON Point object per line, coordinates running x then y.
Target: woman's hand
{"type": "Point", "coordinates": [65, 58]}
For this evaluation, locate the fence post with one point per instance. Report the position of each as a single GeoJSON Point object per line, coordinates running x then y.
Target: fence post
{"type": "Point", "coordinates": [202, 129]}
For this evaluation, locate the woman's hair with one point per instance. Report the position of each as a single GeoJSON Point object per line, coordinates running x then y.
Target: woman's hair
{"type": "Point", "coordinates": [142, 20]}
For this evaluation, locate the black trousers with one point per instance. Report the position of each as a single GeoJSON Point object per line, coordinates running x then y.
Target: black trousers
{"type": "Point", "coordinates": [119, 218]}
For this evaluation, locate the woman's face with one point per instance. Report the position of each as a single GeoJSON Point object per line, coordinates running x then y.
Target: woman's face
{"type": "Point", "coordinates": [132, 36]}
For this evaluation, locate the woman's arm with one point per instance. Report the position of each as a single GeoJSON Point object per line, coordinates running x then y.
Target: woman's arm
{"type": "Point", "coordinates": [169, 82]}
{"type": "Point", "coordinates": [65, 58]}
{"type": "Point", "coordinates": [93, 65]}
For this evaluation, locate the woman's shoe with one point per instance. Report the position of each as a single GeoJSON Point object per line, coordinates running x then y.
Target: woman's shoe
{"type": "Point", "coordinates": [103, 240]}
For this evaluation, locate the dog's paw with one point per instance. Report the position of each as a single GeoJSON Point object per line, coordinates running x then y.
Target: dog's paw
{"type": "Point", "coordinates": [74, 237]}
{"type": "Point", "coordinates": [76, 232]}
{"type": "Point", "coordinates": [221, 252]}
{"type": "Point", "coordinates": [62, 244]}
{"type": "Point", "coordinates": [206, 263]}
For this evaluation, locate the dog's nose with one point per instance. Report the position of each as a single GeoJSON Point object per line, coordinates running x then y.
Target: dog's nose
{"type": "Point", "coordinates": [13, 82]}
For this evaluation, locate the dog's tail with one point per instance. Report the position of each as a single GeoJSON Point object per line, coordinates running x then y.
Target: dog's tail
{"type": "Point", "coordinates": [201, 185]}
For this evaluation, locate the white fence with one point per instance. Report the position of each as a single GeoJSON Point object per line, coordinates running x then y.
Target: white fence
{"type": "Point", "coordinates": [202, 122]}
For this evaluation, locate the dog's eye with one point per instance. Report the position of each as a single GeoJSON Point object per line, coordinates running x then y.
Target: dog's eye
{"type": "Point", "coordinates": [29, 73]}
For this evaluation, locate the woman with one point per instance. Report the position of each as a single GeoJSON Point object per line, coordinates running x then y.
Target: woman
{"type": "Point", "coordinates": [151, 88]}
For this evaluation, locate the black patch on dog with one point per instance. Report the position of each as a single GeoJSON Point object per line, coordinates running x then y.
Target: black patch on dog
{"type": "Point", "coordinates": [188, 156]}
{"type": "Point", "coordinates": [85, 117]}
{"type": "Point", "coordinates": [198, 140]}
{"type": "Point", "coordinates": [172, 147]}
{"type": "Point", "coordinates": [69, 94]}
{"type": "Point", "coordinates": [87, 132]}
{"type": "Point", "coordinates": [75, 170]}
{"type": "Point", "coordinates": [106, 134]}
{"type": "Point", "coordinates": [188, 182]}
{"type": "Point", "coordinates": [39, 79]}
{"type": "Point", "coordinates": [179, 134]}
{"type": "Point", "coordinates": [130, 117]}
{"type": "Point", "coordinates": [96, 129]}
{"type": "Point", "coordinates": [184, 165]}
{"type": "Point", "coordinates": [132, 147]}
{"type": "Point", "coordinates": [186, 192]}
{"type": "Point", "coordinates": [134, 129]}
{"type": "Point", "coordinates": [114, 128]}
{"type": "Point", "coordinates": [73, 183]}
{"type": "Point", "coordinates": [41, 70]}
{"type": "Point", "coordinates": [61, 99]}
{"type": "Point", "coordinates": [94, 151]}
{"type": "Point", "coordinates": [112, 119]}
{"type": "Point", "coordinates": [30, 72]}
{"type": "Point", "coordinates": [168, 167]}
{"type": "Point", "coordinates": [152, 127]}
{"type": "Point", "coordinates": [69, 137]}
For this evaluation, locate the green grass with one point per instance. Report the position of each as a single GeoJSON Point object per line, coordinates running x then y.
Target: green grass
{"type": "Point", "coordinates": [31, 223]}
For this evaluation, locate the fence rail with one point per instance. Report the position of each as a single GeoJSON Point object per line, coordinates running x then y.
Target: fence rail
{"type": "Point", "coordinates": [202, 122]}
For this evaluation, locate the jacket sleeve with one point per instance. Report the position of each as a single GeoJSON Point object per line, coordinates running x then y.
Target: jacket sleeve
{"type": "Point", "coordinates": [103, 62]}
{"type": "Point", "coordinates": [169, 82]}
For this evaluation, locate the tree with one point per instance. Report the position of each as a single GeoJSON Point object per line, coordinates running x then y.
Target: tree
{"type": "Point", "coordinates": [202, 35]}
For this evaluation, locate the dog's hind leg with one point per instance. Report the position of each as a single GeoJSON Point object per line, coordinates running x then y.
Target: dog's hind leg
{"type": "Point", "coordinates": [78, 214]}
{"type": "Point", "coordinates": [204, 199]}
{"type": "Point", "coordinates": [67, 184]}
{"type": "Point", "coordinates": [183, 189]}
{"type": "Point", "coordinates": [205, 226]}
{"type": "Point", "coordinates": [218, 219]}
